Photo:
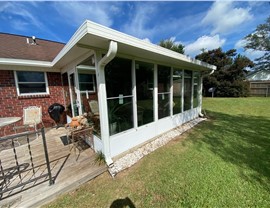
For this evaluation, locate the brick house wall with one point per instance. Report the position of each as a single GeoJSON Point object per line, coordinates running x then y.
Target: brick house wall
{"type": "Point", "coordinates": [12, 105]}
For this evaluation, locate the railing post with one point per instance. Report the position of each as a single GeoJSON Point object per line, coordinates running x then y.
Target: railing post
{"type": "Point", "coordinates": [51, 180]}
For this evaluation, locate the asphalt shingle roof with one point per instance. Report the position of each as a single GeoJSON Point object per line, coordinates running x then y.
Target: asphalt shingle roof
{"type": "Point", "coordinates": [16, 46]}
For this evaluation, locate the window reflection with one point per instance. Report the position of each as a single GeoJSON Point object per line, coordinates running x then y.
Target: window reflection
{"type": "Point", "coordinates": [195, 89]}
{"type": "Point", "coordinates": [177, 91]}
{"type": "Point", "coordinates": [187, 89]}
{"type": "Point", "coordinates": [119, 95]}
{"type": "Point", "coordinates": [144, 88]}
{"type": "Point", "coordinates": [164, 74]}
{"type": "Point", "coordinates": [30, 82]}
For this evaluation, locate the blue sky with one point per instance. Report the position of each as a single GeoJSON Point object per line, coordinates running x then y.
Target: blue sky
{"type": "Point", "coordinates": [195, 24]}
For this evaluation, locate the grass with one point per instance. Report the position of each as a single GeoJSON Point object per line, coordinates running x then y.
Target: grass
{"type": "Point", "coordinates": [222, 162]}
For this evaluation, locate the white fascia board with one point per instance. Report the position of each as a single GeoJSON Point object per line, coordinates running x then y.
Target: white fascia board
{"type": "Point", "coordinates": [110, 34]}
{"type": "Point", "coordinates": [25, 62]}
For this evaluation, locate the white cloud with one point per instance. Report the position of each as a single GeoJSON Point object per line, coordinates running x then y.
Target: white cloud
{"type": "Point", "coordinates": [141, 16]}
{"type": "Point", "coordinates": [77, 12]}
{"type": "Point", "coordinates": [147, 40]}
{"type": "Point", "coordinates": [22, 18]}
{"type": "Point", "coordinates": [19, 14]}
{"type": "Point", "coordinates": [206, 42]}
{"type": "Point", "coordinates": [224, 18]}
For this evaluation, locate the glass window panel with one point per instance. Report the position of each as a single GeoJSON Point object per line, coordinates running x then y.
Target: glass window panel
{"type": "Point", "coordinates": [86, 80]}
{"type": "Point", "coordinates": [164, 73]}
{"type": "Point", "coordinates": [177, 91]}
{"type": "Point", "coordinates": [187, 89]}
{"type": "Point", "coordinates": [32, 88]}
{"type": "Point", "coordinates": [86, 86]}
{"type": "Point", "coordinates": [163, 105]}
{"type": "Point", "coordinates": [164, 82]}
{"type": "Point", "coordinates": [118, 77]}
{"type": "Point", "coordinates": [120, 113]}
{"type": "Point", "coordinates": [85, 77]}
{"type": "Point", "coordinates": [195, 89]}
{"type": "Point", "coordinates": [27, 76]}
{"type": "Point", "coordinates": [144, 88]}
{"type": "Point", "coordinates": [119, 85]}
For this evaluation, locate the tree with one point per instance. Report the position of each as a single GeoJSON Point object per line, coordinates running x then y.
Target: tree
{"type": "Point", "coordinates": [260, 40]}
{"type": "Point", "coordinates": [172, 45]}
{"type": "Point", "coordinates": [228, 79]}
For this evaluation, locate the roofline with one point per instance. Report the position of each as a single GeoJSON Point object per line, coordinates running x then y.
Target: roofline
{"type": "Point", "coordinates": [25, 62]}
{"type": "Point", "coordinates": [89, 27]}
{"type": "Point", "coordinates": [92, 28]}
{"type": "Point", "coordinates": [25, 36]}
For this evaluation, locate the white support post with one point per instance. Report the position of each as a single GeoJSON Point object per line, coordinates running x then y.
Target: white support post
{"type": "Point", "coordinates": [155, 93]}
{"type": "Point", "coordinates": [192, 88]}
{"type": "Point", "coordinates": [182, 91]}
{"type": "Point", "coordinates": [133, 72]}
{"type": "Point", "coordinates": [171, 92]}
{"type": "Point", "coordinates": [200, 86]}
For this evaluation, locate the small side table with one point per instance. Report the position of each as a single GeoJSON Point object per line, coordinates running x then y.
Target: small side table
{"type": "Point", "coordinates": [77, 135]}
{"type": "Point", "coordinates": [5, 121]}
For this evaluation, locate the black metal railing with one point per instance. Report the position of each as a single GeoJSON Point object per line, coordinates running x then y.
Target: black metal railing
{"type": "Point", "coordinates": [18, 170]}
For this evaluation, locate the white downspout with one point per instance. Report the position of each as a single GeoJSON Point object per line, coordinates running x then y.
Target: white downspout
{"type": "Point", "coordinates": [102, 97]}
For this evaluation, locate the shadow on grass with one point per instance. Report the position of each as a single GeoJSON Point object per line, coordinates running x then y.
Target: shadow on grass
{"type": "Point", "coordinates": [241, 140]}
{"type": "Point", "coordinates": [121, 203]}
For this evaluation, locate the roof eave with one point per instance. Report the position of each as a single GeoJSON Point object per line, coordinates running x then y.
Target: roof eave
{"type": "Point", "coordinates": [25, 62]}
{"type": "Point", "coordinates": [106, 34]}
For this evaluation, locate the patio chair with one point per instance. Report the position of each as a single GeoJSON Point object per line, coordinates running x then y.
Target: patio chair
{"type": "Point", "coordinates": [94, 107]}
{"type": "Point", "coordinates": [95, 114]}
{"type": "Point", "coordinates": [32, 116]}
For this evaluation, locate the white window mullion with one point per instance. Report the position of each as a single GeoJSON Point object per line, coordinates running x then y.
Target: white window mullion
{"type": "Point", "coordinates": [182, 91]}
{"type": "Point", "coordinates": [171, 92]}
{"type": "Point", "coordinates": [192, 88]}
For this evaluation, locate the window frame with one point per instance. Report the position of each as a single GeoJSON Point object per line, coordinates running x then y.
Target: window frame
{"type": "Point", "coordinates": [93, 82]}
{"type": "Point", "coordinates": [25, 94]}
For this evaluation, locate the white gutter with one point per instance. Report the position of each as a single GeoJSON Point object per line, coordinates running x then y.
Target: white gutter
{"type": "Point", "coordinates": [102, 98]}
{"type": "Point", "coordinates": [25, 62]}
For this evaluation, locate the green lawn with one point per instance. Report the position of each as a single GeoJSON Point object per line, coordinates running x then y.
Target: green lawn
{"type": "Point", "coordinates": [222, 162]}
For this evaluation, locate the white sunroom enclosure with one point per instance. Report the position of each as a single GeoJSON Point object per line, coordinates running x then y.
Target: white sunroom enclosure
{"type": "Point", "coordinates": [145, 99]}
{"type": "Point", "coordinates": [143, 90]}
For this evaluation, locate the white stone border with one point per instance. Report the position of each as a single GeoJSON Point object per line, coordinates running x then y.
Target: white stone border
{"type": "Point", "coordinates": [131, 158]}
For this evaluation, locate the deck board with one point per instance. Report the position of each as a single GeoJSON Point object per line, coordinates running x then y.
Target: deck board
{"type": "Point", "coordinates": [70, 169]}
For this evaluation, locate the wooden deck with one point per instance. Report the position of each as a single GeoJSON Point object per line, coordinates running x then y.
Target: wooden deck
{"type": "Point", "coordinates": [70, 167]}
